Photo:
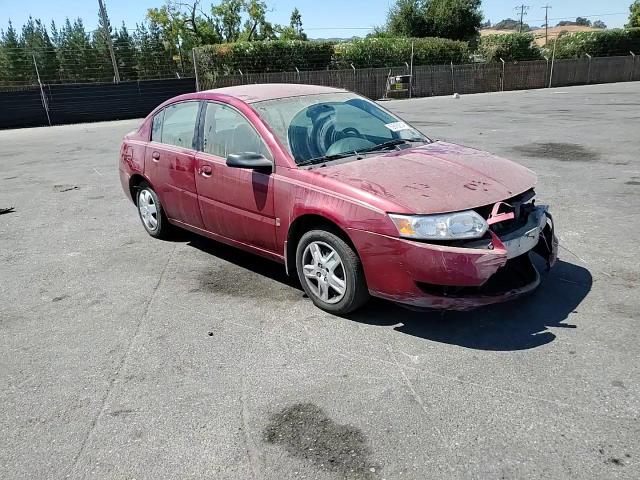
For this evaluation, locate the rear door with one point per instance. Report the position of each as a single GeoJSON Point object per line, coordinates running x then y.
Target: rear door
{"type": "Point", "coordinates": [170, 161]}
{"type": "Point", "coordinates": [236, 203]}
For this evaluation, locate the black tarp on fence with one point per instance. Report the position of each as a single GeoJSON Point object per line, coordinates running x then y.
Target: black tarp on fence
{"type": "Point", "coordinates": [91, 102]}
{"type": "Point", "coordinates": [73, 103]}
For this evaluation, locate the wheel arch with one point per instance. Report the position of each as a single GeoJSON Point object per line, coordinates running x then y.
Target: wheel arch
{"type": "Point", "coordinates": [134, 183]}
{"type": "Point", "coordinates": [305, 223]}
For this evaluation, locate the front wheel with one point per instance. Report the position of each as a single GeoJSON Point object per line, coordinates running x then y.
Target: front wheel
{"type": "Point", "coordinates": [330, 272]}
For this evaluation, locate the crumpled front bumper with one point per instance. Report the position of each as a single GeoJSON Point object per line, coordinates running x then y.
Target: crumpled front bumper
{"type": "Point", "coordinates": [427, 275]}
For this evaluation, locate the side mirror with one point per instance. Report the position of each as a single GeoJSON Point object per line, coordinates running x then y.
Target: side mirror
{"type": "Point", "coordinates": [252, 160]}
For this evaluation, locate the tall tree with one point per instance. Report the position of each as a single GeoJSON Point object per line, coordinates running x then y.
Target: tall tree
{"type": "Point", "coordinates": [15, 57]}
{"type": "Point", "coordinates": [634, 15]}
{"type": "Point", "coordinates": [454, 19]}
{"type": "Point", "coordinates": [228, 19]}
{"type": "Point", "coordinates": [294, 30]}
{"type": "Point", "coordinates": [257, 27]}
{"type": "Point", "coordinates": [125, 54]}
{"type": "Point", "coordinates": [37, 43]}
{"type": "Point", "coordinates": [76, 53]}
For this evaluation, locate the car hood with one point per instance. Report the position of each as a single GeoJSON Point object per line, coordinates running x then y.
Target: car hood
{"type": "Point", "coordinates": [434, 178]}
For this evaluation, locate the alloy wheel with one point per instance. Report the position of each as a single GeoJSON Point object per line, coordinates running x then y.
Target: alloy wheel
{"type": "Point", "coordinates": [148, 210]}
{"type": "Point", "coordinates": [324, 272]}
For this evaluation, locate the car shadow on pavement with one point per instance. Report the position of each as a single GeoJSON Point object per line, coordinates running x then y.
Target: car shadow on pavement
{"type": "Point", "coordinates": [254, 263]}
{"type": "Point", "coordinates": [516, 325]}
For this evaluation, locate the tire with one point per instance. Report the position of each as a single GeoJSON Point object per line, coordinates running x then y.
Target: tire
{"type": "Point", "coordinates": [151, 212]}
{"type": "Point", "coordinates": [326, 270]}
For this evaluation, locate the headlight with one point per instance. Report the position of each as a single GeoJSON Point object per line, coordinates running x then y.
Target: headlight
{"type": "Point", "coordinates": [447, 226]}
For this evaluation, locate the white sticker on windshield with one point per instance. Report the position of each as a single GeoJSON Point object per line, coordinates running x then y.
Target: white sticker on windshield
{"type": "Point", "coordinates": [397, 126]}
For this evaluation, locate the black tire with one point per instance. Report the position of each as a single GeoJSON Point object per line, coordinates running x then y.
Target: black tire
{"type": "Point", "coordinates": [356, 292]}
{"type": "Point", "coordinates": [163, 228]}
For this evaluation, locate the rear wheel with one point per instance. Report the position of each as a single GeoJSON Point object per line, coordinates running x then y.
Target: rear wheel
{"type": "Point", "coordinates": [330, 272]}
{"type": "Point", "coordinates": [151, 212]}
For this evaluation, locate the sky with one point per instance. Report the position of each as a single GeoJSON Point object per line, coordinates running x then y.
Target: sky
{"type": "Point", "coordinates": [320, 18]}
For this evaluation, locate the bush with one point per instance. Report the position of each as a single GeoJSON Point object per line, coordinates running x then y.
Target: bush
{"type": "Point", "coordinates": [510, 47]}
{"type": "Point", "coordinates": [598, 43]}
{"type": "Point", "coordinates": [264, 56]}
{"type": "Point", "coordinates": [395, 51]}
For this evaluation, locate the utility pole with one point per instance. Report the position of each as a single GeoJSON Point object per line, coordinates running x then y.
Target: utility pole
{"type": "Point", "coordinates": [546, 24]}
{"type": "Point", "coordinates": [107, 34]}
{"type": "Point", "coordinates": [523, 10]}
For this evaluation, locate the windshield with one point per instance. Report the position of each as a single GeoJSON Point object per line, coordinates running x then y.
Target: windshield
{"type": "Point", "coordinates": [326, 126]}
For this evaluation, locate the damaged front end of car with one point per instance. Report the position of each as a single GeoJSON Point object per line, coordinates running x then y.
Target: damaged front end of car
{"type": "Point", "coordinates": [518, 229]}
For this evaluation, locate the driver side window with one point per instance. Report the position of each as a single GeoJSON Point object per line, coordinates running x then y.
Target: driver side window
{"type": "Point", "coordinates": [226, 131]}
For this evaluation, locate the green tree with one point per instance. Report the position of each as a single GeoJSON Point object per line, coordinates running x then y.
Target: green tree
{"type": "Point", "coordinates": [15, 57]}
{"type": "Point", "coordinates": [293, 31]}
{"type": "Point", "coordinates": [599, 24]}
{"type": "Point", "coordinates": [125, 52]}
{"type": "Point", "coordinates": [295, 22]}
{"type": "Point", "coordinates": [228, 19]}
{"type": "Point", "coordinates": [37, 43]}
{"type": "Point", "coordinates": [634, 15]}
{"type": "Point", "coordinates": [454, 19]}
{"type": "Point", "coordinates": [510, 24]}
{"type": "Point", "coordinates": [76, 53]}
{"type": "Point", "coordinates": [407, 19]}
{"type": "Point", "coordinates": [584, 22]}
{"type": "Point", "coordinates": [103, 67]}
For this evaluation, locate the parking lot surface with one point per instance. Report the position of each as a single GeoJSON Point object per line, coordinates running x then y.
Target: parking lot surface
{"type": "Point", "coordinates": [126, 357]}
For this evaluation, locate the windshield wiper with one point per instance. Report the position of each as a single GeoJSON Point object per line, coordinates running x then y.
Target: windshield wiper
{"type": "Point", "coordinates": [326, 158]}
{"type": "Point", "coordinates": [381, 146]}
{"type": "Point", "coordinates": [389, 144]}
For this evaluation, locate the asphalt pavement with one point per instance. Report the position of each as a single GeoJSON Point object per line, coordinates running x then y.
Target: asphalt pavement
{"type": "Point", "coordinates": [125, 357]}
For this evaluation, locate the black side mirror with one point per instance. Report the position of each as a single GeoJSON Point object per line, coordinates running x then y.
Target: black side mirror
{"type": "Point", "coordinates": [252, 160]}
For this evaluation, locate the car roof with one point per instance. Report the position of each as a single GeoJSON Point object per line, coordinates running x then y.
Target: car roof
{"type": "Point", "coordinates": [270, 91]}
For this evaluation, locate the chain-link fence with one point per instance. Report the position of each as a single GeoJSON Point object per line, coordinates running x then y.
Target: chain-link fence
{"type": "Point", "coordinates": [434, 80]}
{"type": "Point", "coordinates": [45, 95]}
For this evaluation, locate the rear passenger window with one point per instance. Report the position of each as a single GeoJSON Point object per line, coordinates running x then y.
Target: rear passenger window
{"type": "Point", "coordinates": [227, 131]}
{"type": "Point", "coordinates": [179, 124]}
{"type": "Point", "coordinates": [156, 127]}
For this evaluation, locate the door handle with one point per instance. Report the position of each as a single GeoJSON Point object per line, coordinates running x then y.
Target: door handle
{"type": "Point", "coordinates": [155, 156]}
{"type": "Point", "coordinates": [206, 170]}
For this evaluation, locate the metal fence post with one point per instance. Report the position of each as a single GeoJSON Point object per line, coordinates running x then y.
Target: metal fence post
{"type": "Point", "coordinates": [195, 69]}
{"type": "Point", "coordinates": [633, 66]}
{"type": "Point", "coordinates": [43, 97]}
{"type": "Point", "coordinates": [546, 70]}
{"type": "Point", "coordinates": [553, 59]}
{"type": "Point", "coordinates": [453, 79]}
{"type": "Point", "coordinates": [588, 68]}
{"type": "Point", "coordinates": [502, 77]}
{"type": "Point", "coordinates": [411, 73]}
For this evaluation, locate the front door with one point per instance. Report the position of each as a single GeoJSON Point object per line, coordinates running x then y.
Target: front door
{"type": "Point", "coordinates": [170, 161]}
{"type": "Point", "coordinates": [236, 203]}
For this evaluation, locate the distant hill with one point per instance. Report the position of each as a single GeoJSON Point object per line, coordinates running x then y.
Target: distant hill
{"type": "Point", "coordinates": [539, 33]}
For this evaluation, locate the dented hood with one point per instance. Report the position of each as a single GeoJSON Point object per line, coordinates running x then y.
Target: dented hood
{"type": "Point", "coordinates": [434, 178]}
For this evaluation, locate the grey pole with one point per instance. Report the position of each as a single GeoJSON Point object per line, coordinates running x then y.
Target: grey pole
{"type": "Point", "coordinates": [195, 69]}
{"type": "Point", "coordinates": [553, 59]}
{"type": "Point", "coordinates": [453, 79]}
{"type": "Point", "coordinates": [107, 34]}
{"type": "Point", "coordinates": [411, 73]}
{"type": "Point", "coordinates": [502, 78]}
{"type": "Point", "coordinates": [588, 69]}
{"type": "Point", "coordinates": [43, 97]}
{"type": "Point", "coordinates": [633, 66]}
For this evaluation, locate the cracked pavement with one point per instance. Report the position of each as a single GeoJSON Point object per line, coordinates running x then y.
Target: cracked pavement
{"type": "Point", "coordinates": [127, 357]}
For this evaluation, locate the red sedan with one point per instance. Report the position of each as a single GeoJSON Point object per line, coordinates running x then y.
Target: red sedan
{"type": "Point", "coordinates": [343, 192]}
